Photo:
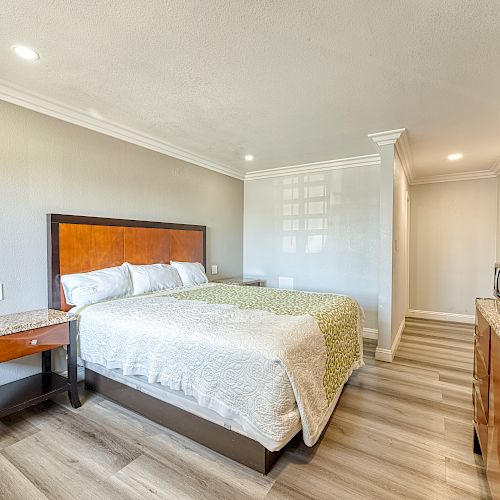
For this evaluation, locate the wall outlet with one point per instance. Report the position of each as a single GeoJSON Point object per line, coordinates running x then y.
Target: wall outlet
{"type": "Point", "coordinates": [1, 291]}
{"type": "Point", "coordinates": [215, 269]}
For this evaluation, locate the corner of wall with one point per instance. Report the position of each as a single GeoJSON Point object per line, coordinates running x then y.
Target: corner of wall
{"type": "Point", "coordinates": [388, 355]}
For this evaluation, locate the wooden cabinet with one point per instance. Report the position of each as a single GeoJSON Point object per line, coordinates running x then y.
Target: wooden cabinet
{"type": "Point", "coordinates": [481, 381]}
{"type": "Point", "coordinates": [493, 451]}
{"type": "Point", "coordinates": [486, 389]}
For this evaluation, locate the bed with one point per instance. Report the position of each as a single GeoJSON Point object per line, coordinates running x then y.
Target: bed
{"type": "Point", "coordinates": [242, 370]}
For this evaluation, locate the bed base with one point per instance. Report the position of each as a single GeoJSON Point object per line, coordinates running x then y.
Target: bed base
{"type": "Point", "coordinates": [240, 448]}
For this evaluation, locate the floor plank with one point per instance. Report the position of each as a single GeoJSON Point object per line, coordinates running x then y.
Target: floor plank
{"type": "Point", "coordinates": [14, 485]}
{"type": "Point", "coordinates": [400, 430]}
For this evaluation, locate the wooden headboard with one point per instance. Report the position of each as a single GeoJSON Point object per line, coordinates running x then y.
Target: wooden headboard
{"type": "Point", "coordinates": [78, 244]}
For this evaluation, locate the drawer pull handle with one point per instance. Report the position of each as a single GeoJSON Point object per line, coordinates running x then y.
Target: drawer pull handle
{"type": "Point", "coordinates": [34, 342]}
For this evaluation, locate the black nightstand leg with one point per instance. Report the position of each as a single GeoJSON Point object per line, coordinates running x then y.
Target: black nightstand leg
{"type": "Point", "coordinates": [46, 361]}
{"type": "Point", "coordinates": [72, 366]}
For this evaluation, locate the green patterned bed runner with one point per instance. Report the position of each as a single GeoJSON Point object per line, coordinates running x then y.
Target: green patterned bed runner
{"type": "Point", "coordinates": [337, 317]}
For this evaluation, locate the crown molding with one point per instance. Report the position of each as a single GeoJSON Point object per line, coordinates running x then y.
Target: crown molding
{"type": "Point", "coordinates": [307, 168]}
{"type": "Point", "coordinates": [398, 137]}
{"type": "Point", "coordinates": [463, 176]}
{"type": "Point", "coordinates": [67, 113]}
{"type": "Point", "coordinates": [403, 150]}
{"type": "Point", "coordinates": [51, 107]}
{"type": "Point", "coordinates": [386, 138]}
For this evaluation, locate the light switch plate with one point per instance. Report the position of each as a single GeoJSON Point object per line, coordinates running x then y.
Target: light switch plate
{"type": "Point", "coordinates": [215, 270]}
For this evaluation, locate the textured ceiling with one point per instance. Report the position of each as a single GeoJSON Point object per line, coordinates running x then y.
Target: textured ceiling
{"type": "Point", "coordinates": [289, 81]}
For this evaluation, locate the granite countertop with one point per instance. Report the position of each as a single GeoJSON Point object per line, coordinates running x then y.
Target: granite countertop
{"type": "Point", "coordinates": [19, 322]}
{"type": "Point", "coordinates": [490, 309]}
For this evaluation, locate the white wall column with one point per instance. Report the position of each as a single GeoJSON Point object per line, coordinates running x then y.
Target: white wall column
{"type": "Point", "coordinates": [385, 143]}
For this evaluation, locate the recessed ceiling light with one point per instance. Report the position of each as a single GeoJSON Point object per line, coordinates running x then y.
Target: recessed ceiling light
{"type": "Point", "coordinates": [248, 157]}
{"type": "Point", "coordinates": [25, 52]}
{"type": "Point", "coordinates": [455, 156]}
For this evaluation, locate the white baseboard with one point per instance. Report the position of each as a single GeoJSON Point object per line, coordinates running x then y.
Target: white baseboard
{"type": "Point", "coordinates": [370, 333]}
{"type": "Point", "coordinates": [441, 316]}
{"type": "Point", "coordinates": [397, 338]}
{"type": "Point", "coordinates": [383, 355]}
{"type": "Point", "coordinates": [387, 355]}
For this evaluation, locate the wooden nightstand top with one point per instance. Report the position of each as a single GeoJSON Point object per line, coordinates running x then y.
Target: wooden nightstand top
{"type": "Point", "coordinates": [29, 320]}
{"type": "Point", "coordinates": [241, 280]}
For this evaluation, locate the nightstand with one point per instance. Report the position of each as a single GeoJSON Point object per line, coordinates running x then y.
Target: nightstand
{"type": "Point", "coordinates": [241, 281]}
{"type": "Point", "coordinates": [34, 332]}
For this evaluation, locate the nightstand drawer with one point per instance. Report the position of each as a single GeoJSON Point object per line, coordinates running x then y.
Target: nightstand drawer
{"type": "Point", "coordinates": [29, 342]}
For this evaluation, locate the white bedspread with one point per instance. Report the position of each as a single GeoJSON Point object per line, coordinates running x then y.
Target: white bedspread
{"type": "Point", "coordinates": [257, 368]}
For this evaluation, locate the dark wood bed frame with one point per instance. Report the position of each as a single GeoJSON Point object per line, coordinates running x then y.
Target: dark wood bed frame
{"type": "Point", "coordinates": [81, 244]}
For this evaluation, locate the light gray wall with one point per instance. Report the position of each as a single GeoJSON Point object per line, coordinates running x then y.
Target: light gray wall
{"type": "Point", "coordinates": [453, 244]}
{"type": "Point", "coordinates": [47, 165]}
{"type": "Point", "coordinates": [320, 229]}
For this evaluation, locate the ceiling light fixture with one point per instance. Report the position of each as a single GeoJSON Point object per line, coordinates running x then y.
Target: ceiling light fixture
{"type": "Point", "coordinates": [455, 156]}
{"type": "Point", "coordinates": [25, 52]}
{"type": "Point", "coordinates": [248, 157]}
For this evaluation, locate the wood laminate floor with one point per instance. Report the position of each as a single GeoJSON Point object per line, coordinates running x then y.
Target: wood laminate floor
{"type": "Point", "coordinates": [400, 430]}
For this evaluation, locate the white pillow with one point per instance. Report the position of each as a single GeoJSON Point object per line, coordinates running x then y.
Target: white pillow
{"type": "Point", "coordinates": [86, 288]}
{"type": "Point", "coordinates": [153, 277]}
{"type": "Point", "coordinates": [192, 273]}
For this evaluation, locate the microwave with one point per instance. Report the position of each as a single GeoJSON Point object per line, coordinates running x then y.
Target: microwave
{"type": "Point", "coordinates": [496, 282]}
